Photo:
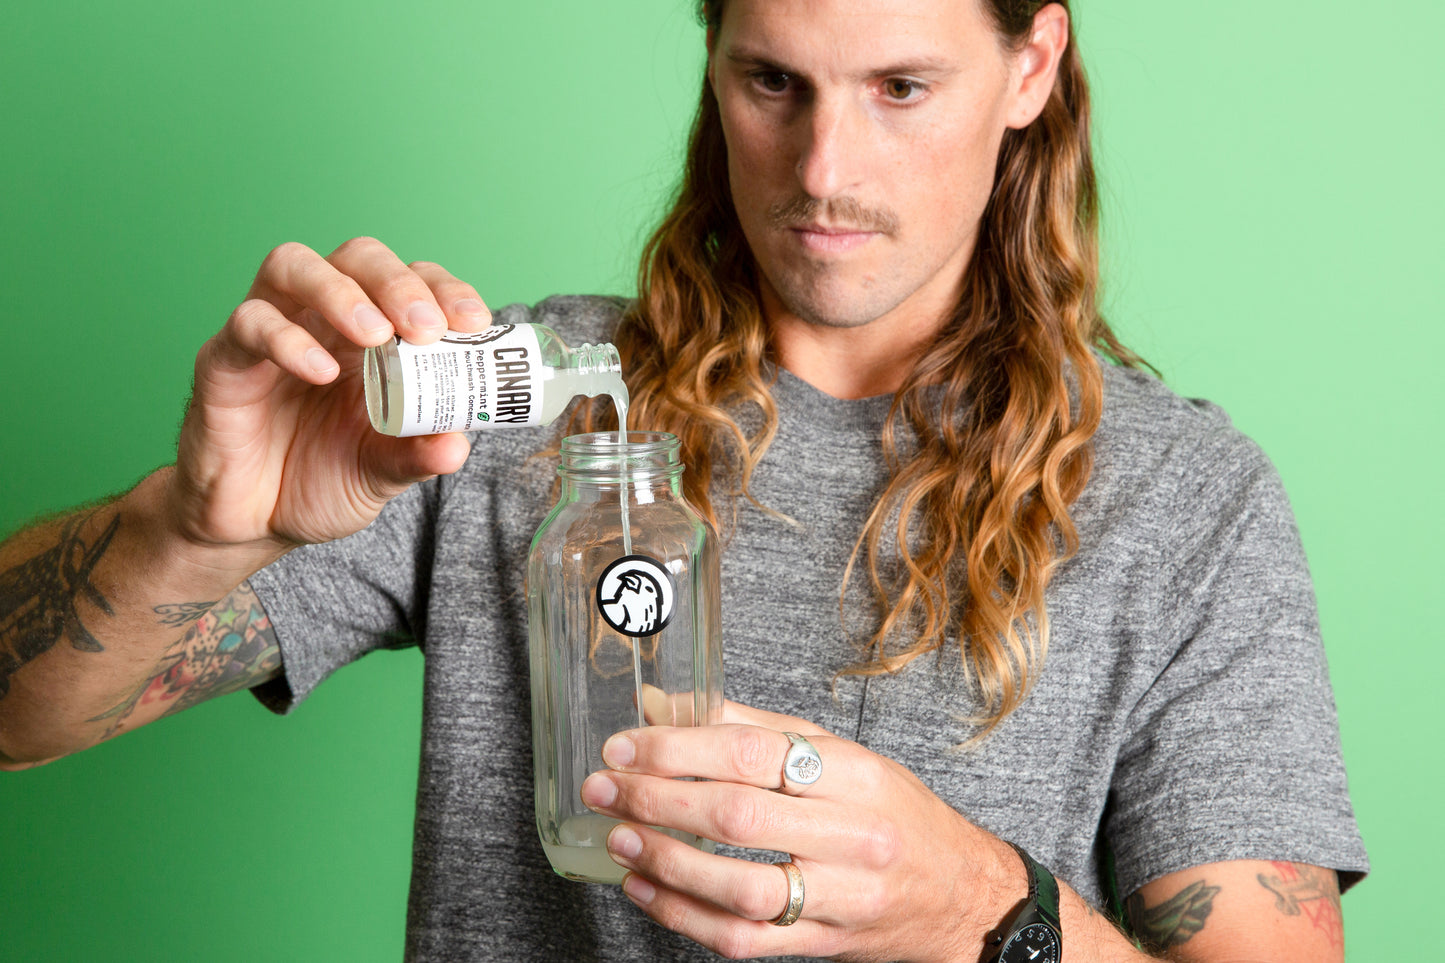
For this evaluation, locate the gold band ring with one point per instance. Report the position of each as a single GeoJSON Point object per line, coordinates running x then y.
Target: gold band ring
{"type": "Point", "coordinates": [794, 909]}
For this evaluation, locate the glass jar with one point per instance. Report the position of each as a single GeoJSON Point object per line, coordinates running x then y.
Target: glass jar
{"type": "Point", "coordinates": [624, 628]}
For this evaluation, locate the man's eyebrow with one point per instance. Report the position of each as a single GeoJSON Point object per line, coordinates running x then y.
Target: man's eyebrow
{"type": "Point", "coordinates": [749, 58]}
{"type": "Point", "coordinates": [919, 66]}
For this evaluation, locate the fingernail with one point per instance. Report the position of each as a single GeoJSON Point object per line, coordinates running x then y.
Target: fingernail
{"type": "Point", "coordinates": [425, 316]}
{"type": "Point", "coordinates": [619, 752]}
{"type": "Point", "coordinates": [599, 791]}
{"type": "Point", "coordinates": [369, 319]}
{"type": "Point", "coordinates": [638, 889]}
{"type": "Point", "coordinates": [469, 306]}
{"type": "Point", "coordinates": [320, 361]}
{"type": "Point", "coordinates": [624, 842]}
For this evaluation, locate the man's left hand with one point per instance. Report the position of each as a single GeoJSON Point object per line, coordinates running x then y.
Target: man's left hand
{"type": "Point", "coordinates": [889, 869]}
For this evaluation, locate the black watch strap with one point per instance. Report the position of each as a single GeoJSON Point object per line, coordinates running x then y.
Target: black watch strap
{"type": "Point", "coordinates": [1043, 888]}
{"type": "Point", "coordinates": [1039, 912]}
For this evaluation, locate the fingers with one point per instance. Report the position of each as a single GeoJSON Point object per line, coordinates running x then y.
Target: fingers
{"type": "Point", "coordinates": [256, 331]}
{"type": "Point", "coordinates": [741, 816]}
{"type": "Point", "coordinates": [366, 293]}
{"type": "Point", "coordinates": [394, 464]}
{"type": "Point", "coordinates": [461, 303]}
{"type": "Point", "coordinates": [294, 278]}
{"type": "Point", "coordinates": [723, 903]}
{"type": "Point", "coordinates": [746, 754]}
{"type": "Point", "coordinates": [406, 295]}
{"type": "Point", "coordinates": [727, 935]}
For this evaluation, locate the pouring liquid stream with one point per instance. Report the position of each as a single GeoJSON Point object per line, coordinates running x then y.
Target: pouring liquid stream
{"type": "Point", "coordinates": [620, 399]}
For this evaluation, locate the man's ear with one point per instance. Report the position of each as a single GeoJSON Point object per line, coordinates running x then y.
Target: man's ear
{"type": "Point", "coordinates": [1036, 65]}
{"type": "Point", "coordinates": [711, 49]}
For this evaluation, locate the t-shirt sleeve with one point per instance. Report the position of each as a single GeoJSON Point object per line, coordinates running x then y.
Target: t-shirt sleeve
{"type": "Point", "coordinates": [332, 603]}
{"type": "Point", "coordinates": [1233, 751]}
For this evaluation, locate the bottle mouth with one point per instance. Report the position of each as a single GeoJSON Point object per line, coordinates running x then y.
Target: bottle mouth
{"type": "Point", "coordinates": [596, 359]}
{"type": "Point", "coordinates": [599, 456]}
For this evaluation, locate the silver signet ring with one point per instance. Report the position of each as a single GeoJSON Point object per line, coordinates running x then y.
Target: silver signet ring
{"type": "Point", "coordinates": [801, 767]}
{"type": "Point", "coordinates": [794, 909]}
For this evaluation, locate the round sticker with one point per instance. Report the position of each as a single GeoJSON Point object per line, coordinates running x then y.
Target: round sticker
{"type": "Point", "coordinates": [635, 595]}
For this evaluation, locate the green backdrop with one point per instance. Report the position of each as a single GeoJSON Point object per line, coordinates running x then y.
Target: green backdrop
{"type": "Point", "coordinates": [1273, 192]}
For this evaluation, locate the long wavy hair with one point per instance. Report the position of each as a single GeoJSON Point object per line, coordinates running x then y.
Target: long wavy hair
{"type": "Point", "coordinates": [988, 439]}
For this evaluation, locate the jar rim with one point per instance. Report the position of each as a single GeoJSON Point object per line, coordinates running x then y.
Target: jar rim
{"type": "Point", "coordinates": [638, 444]}
{"type": "Point", "coordinates": [600, 457]}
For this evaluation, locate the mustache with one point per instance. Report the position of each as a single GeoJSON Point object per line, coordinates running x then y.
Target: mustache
{"type": "Point", "coordinates": [843, 212]}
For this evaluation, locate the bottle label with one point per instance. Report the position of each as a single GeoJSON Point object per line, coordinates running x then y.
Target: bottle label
{"type": "Point", "coordinates": [468, 381]}
{"type": "Point", "coordinates": [636, 595]}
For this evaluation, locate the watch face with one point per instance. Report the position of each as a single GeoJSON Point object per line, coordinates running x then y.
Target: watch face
{"type": "Point", "coordinates": [1035, 943]}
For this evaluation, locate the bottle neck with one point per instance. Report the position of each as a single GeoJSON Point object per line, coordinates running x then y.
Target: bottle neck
{"type": "Point", "coordinates": [590, 360]}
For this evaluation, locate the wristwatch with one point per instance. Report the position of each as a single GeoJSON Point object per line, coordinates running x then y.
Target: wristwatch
{"type": "Point", "coordinates": [1034, 934]}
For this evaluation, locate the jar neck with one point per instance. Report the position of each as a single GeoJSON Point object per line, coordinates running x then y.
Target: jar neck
{"type": "Point", "coordinates": [597, 463]}
{"type": "Point", "coordinates": [639, 490]}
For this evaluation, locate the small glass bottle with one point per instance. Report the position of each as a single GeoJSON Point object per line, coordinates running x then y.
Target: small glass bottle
{"type": "Point", "coordinates": [624, 628]}
{"type": "Point", "coordinates": [508, 375]}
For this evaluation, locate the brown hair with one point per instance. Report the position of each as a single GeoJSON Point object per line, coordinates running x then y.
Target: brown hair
{"type": "Point", "coordinates": [987, 440]}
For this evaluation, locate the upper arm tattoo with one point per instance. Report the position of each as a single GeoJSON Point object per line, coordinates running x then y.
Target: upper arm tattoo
{"type": "Point", "coordinates": [1176, 919]}
{"type": "Point", "coordinates": [230, 647]}
{"type": "Point", "coordinates": [1298, 890]}
{"type": "Point", "coordinates": [38, 598]}
{"type": "Point", "coordinates": [1310, 891]}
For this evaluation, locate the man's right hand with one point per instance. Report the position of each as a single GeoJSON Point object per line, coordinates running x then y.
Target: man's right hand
{"type": "Point", "coordinates": [113, 616]}
{"type": "Point", "coordinates": [276, 448]}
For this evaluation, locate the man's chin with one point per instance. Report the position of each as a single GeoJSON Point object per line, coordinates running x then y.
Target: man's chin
{"type": "Point", "coordinates": [848, 308]}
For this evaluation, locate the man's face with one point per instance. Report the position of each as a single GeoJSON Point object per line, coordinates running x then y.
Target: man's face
{"type": "Point", "coordinates": [862, 137]}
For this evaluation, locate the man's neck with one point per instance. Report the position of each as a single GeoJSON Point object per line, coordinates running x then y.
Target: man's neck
{"type": "Point", "coordinates": [852, 362]}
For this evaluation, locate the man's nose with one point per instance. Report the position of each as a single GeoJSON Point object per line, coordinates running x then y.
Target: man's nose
{"type": "Point", "coordinates": [832, 139]}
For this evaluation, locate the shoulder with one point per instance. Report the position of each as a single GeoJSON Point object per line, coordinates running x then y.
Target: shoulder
{"type": "Point", "coordinates": [1144, 416]}
{"type": "Point", "coordinates": [1176, 463]}
{"type": "Point", "coordinates": [1147, 428]}
{"type": "Point", "coordinates": [577, 318]}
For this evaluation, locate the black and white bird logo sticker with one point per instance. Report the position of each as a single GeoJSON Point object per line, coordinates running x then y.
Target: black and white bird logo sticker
{"type": "Point", "coordinates": [635, 595]}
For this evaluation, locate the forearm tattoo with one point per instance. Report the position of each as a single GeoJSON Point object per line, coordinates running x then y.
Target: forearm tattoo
{"type": "Point", "coordinates": [230, 647]}
{"type": "Point", "coordinates": [1173, 921]}
{"type": "Point", "coordinates": [38, 598]}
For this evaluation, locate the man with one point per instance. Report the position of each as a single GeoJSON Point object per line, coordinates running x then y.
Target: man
{"type": "Point", "coordinates": [1082, 617]}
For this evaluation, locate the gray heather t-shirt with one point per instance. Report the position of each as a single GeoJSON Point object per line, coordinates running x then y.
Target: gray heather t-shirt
{"type": "Point", "coordinates": [1184, 715]}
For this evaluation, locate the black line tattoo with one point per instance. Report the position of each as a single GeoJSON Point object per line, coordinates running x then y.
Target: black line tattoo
{"type": "Point", "coordinates": [183, 613]}
{"type": "Point", "coordinates": [1176, 919]}
{"type": "Point", "coordinates": [38, 598]}
{"type": "Point", "coordinates": [230, 647]}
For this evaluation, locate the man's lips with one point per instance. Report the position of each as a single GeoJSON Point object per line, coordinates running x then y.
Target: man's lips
{"type": "Point", "coordinates": [830, 239]}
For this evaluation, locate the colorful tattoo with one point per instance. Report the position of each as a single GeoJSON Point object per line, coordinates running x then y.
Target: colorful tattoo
{"type": "Point", "coordinates": [230, 647]}
{"type": "Point", "coordinates": [1308, 891]}
{"type": "Point", "coordinates": [1175, 920]}
{"type": "Point", "coordinates": [38, 598]}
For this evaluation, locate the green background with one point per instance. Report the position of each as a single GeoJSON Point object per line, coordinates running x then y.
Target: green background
{"type": "Point", "coordinates": [1273, 189]}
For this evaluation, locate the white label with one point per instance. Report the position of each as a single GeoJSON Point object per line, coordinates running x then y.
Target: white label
{"type": "Point", "coordinates": [469, 381]}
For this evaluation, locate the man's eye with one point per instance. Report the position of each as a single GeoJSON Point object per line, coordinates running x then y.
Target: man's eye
{"type": "Point", "coordinates": [773, 81]}
{"type": "Point", "coordinates": [896, 88]}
